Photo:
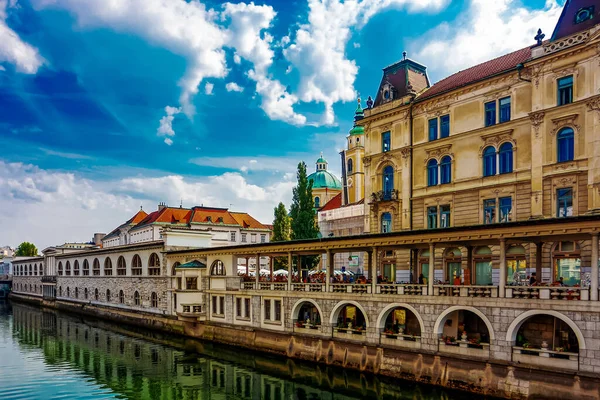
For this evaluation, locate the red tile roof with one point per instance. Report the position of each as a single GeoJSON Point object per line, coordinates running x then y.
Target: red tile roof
{"type": "Point", "coordinates": [167, 215]}
{"type": "Point", "coordinates": [502, 64]}
{"type": "Point", "coordinates": [202, 214]}
{"type": "Point", "coordinates": [335, 202]}
{"type": "Point", "coordinates": [138, 217]}
{"type": "Point", "coordinates": [247, 221]}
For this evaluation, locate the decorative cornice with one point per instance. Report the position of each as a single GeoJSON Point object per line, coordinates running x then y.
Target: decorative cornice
{"type": "Point", "coordinates": [567, 120]}
{"type": "Point", "coordinates": [438, 152]}
{"type": "Point", "coordinates": [405, 153]}
{"type": "Point", "coordinates": [536, 118]}
{"type": "Point", "coordinates": [497, 95]}
{"type": "Point", "coordinates": [565, 71]}
{"type": "Point", "coordinates": [552, 47]}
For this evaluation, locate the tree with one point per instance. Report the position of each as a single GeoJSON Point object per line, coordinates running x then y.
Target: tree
{"type": "Point", "coordinates": [26, 249]}
{"type": "Point", "coordinates": [281, 224]}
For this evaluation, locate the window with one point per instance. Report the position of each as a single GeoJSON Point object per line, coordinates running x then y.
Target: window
{"type": "Point", "coordinates": [232, 236]}
{"type": "Point", "coordinates": [85, 293]}
{"type": "Point", "coordinates": [68, 292]}
{"type": "Point", "coordinates": [388, 182]}
{"type": "Point", "coordinates": [583, 14]}
{"type": "Point", "coordinates": [191, 283]}
{"type": "Point", "coordinates": [432, 173]}
{"type": "Point", "coordinates": [505, 209]}
{"type": "Point", "coordinates": [445, 170]}
{"type": "Point", "coordinates": [504, 109]}
{"type": "Point", "coordinates": [444, 126]}
{"type": "Point", "coordinates": [136, 298]}
{"type": "Point", "coordinates": [60, 269]}
{"type": "Point", "coordinates": [565, 145]}
{"type": "Point", "coordinates": [489, 161]}
{"type": "Point", "coordinates": [86, 267]}
{"type": "Point", "coordinates": [431, 217]}
{"type": "Point", "coordinates": [564, 202]}
{"type": "Point", "coordinates": [506, 158]}
{"type": "Point", "coordinates": [238, 307]}
{"type": "Point", "coordinates": [121, 297]}
{"type": "Point", "coordinates": [433, 129]}
{"type": "Point", "coordinates": [263, 238]}
{"type": "Point", "coordinates": [75, 268]}
{"type": "Point", "coordinates": [96, 295]}
{"type": "Point", "coordinates": [386, 222]}
{"type": "Point", "coordinates": [96, 267]}
{"type": "Point", "coordinates": [222, 305]}
{"type": "Point", "coordinates": [268, 310]}
{"type": "Point", "coordinates": [154, 265]}
{"type": "Point", "coordinates": [253, 237]}
{"type": "Point", "coordinates": [385, 142]}
{"type": "Point", "coordinates": [121, 266]}
{"type": "Point", "coordinates": [277, 310]}
{"type": "Point", "coordinates": [244, 235]}
{"type": "Point", "coordinates": [445, 216]}
{"type": "Point", "coordinates": [217, 268]}
{"type": "Point", "coordinates": [489, 211]}
{"type": "Point", "coordinates": [108, 295]}
{"type": "Point", "coordinates": [154, 300]}
{"type": "Point", "coordinates": [107, 267]}
{"type": "Point", "coordinates": [76, 292]}
{"type": "Point", "coordinates": [317, 202]}
{"type": "Point", "coordinates": [214, 305]}
{"type": "Point", "coordinates": [247, 305]}
{"type": "Point", "coordinates": [565, 90]}
{"type": "Point", "coordinates": [490, 113]}
{"type": "Point", "coordinates": [136, 265]}
{"type": "Point", "coordinates": [350, 166]}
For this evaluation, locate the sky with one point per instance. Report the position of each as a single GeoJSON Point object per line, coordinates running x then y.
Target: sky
{"type": "Point", "coordinates": [107, 106]}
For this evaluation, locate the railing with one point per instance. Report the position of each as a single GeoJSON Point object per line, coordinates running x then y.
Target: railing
{"type": "Point", "coordinates": [48, 279]}
{"type": "Point", "coordinates": [308, 287]}
{"type": "Point", "coordinates": [401, 340]}
{"type": "Point", "coordinates": [465, 348]}
{"type": "Point", "coordinates": [248, 285]}
{"type": "Point", "coordinates": [545, 357]}
{"type": "Point", "coordinates": [402, 288]}
{"type": "Point", "coordinates": [350, 333]}
{"type": "Point", "coordinates": [548, 292]}
{"type": "Point", "coordinates": [358, 288]}
{"type": "Point", "coordinates": [307, 328]}
{"type": "Point", "coordinates": [465, 291]}
{"type": "Point", "coordinates": [272, 286]}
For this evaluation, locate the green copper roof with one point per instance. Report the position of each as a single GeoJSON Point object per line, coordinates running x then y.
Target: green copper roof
{"type": "Point", "coordinates": [324, 179]}
{"type": "Point", "coordinates": [358, 115]}
{"type": "Point", "coordinates": [321, 160]}
{"type": "Point", "coordinates": [192, 264]}
{"type": "Point", "coordinates": [357, 130]}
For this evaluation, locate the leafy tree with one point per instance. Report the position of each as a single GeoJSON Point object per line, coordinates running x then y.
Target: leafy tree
{"type": "Point", "coordinates": [281, 224]}
{"type": "Point", "coordinates": [26, 249]}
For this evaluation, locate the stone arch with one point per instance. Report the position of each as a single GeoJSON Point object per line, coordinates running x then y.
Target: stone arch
{"type": "Point", "coordinates": [511, 332]}
{"type": "Point", "coordinates": [218, 268]}
{"type": "Point", "coordinates": [439, 323]}
{"type": "Point", "coordinates": [391, 307]}
{"type": "Point", "coordinates": [298, 305]}
{"type": "Point", "coordinates": [335, 312]}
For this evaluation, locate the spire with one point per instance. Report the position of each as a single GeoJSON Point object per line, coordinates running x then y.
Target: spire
{"type": "Point", "coordinates": [358, 115]}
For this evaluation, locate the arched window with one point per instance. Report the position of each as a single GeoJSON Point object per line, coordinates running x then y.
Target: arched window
{"type": "Point", "coordinates": [154, 300]}
{"type": "Point", "coordinates": [30, 270]}
{"type": "Point", "coordinates": [217, 268]}
{"type": "Point", "coordinates": [432, 173]}
{"type": "Point", "coordinates": [76, 292]}
{"type": "Point", "coordinates": [96, 294]}
{"type": "Point", "coordinates": [96, 267]}
{"type": "Point", "coordinates": [175, 265]}
{"type": "Point", "coordinates": [121, 266]}
{"type": "Point", "coordinates": [122, 297]}
{"type": "Point", "coordinates": [317, 202]}
{"type": "Point", "coordinates": [565, 143]}
{"type": "Point", "coordinates": [446, 170]}
{"type": "Point", "coordinates": [60, 291]}
{"type": "Point", "coordinates": [136, 298]}
{"type": "Point", "coordinates": [349, 165]}
{"type": "Point", "coordinates": [386, 222]}
{"type": "Point", "coordinates": [154, 265]}
{"type": "Point", "coordinates": [506, 158]}
{"type": "Point", "coordinates": [85, 293]}
{"type": "Point", "coordinates": [76, 268]}
{"type": "Point", "coordinates": [388, 182]}
{"type": "Point", "coordinates": [136, 265]}
{"type": "Point", "coordinates": [68, 268]}
{"type": "Point", "coordinates": [86, 267]}
{"type": "Point", "coordinates": [107, 267]}
{"type": "Point", "coordinates": [35, 269]}
{"type": "Point", "coordinates": [489, 161]}
{"type": "Point", "coordinates": [108, 295]}
{"type": "Point", "coordinates": [68, 292]}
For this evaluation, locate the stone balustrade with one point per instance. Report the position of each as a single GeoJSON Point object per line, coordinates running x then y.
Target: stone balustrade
{"type": "Point", "coordinates": [545, 357]}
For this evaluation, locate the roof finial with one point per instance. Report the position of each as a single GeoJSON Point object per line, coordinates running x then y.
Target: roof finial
{"type": "Point", "coordinates": [404, 55]}
{"type": "Point", "coordinates": [141, 207]}
{"type": "Point", "coordinates": [369, 102]}
{"type": "Point", "coordinates": [539, 37]}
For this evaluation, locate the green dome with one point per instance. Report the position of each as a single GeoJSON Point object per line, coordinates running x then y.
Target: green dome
{"type": "Point", "coordinates": [358, 115]}
{"type": "Point", "coordinates": [324, 179]}
{"type": "Point", "coordinates": [357, 130]}
{"type": "Point", "coordinates": [321, 160]}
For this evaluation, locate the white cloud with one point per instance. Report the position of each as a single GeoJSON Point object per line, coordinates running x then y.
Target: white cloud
{"type": "Point", "coordinates": [54, 207]}
{"type": "Point", "coordinates": [356, 45]}
{"type": "Point", "coordinates": [237, 59]}
{"type": "Point", "coordinates": [25, 57]}
{"type": "Point", "coordinates": [489, 29]}
{"type": "Point", "coordinates": [208, 88]}
{"type": "Point", "coordinates": [234, 87]}
{"type": "Point", "coordinates": [165, 127]}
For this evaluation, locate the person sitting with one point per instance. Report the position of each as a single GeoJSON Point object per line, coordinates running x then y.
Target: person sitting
{"type": "Point", "coordinates": [561, 281]}
{"type": "Point", "coordinates": [533, 279]}
{"type": "Point", "coordinates": [421, 279]}
{"type": "Point", "coordinates": [456, 280]}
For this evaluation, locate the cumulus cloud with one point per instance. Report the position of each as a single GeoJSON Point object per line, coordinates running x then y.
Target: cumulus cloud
{"type": "Point", "coordinates": [208, 88]}
{"type": "Point", "coordinates": [488, 29]}
{"type": "Point", "coordinates": [54, 207]}
{"type": "Point", "coordinates": [233, 87]}
{"type": "Point", "coordinates": [165, 127]}
{"type": "Point", "coordinates": [25, 57]}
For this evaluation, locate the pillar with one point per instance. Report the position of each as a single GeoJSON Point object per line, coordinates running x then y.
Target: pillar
{"type": "Point", "coordinates": [594, 277]}
{"type": "Point", "coordinates": [328, 268]}
{"type": "Point", "coordinates": [538, 262]}
{"type": "Point", "coordinates": [257, 275]}
{"type": "Point", "coordinates": [271, 267]}
{"type": "Point", "coordinates": [373, 261]}
{"type": "Point", "coordinates": [502, 289]}
{"type": "Point", "coordinates": [431, 269]}
{"type": "Point", "coordinates": [290, 270]}
{"type": "Point", "coordinates": [247, 265]}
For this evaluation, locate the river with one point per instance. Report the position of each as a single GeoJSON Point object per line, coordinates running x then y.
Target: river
{"type": "Point", "coordinates": [45, 354]}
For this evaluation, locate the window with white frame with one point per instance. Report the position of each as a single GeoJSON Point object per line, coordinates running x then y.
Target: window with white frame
{"type": "Point", "coordinates": [232, 236]}
{"type": "Point", "coordinates": [244, 237]}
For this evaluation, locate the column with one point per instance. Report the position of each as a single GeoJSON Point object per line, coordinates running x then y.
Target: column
{"type": "Point", "coordinates": [247, 265]}
{"type": "Point", "coordinates": [373, 261]}
{"type": "Point", "coordinates": [431, 269]}
{"type": "Point", "coordinates": [538, 262]}
{"type": "Point", "coordinates": [271, 267]}
{"type": "Point", "coordinates": [290, 270]}
{"type": "Point", "coordinates": [328, 269]}
{"type": "Point", "coordinates": [502, 288]}
{"type": "Point", "coordinates": [594, 277]}
{"type": "Point", "coordinates": [257, 276]}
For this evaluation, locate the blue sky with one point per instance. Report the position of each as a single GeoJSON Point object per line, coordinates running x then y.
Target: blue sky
{"type": "Point", "coordinates": [108, 106]}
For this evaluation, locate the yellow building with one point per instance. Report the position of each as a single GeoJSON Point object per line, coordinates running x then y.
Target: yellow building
{"type": "Point", "coordinates": [353, 174]}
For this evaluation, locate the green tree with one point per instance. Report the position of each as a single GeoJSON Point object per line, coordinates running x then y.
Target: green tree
{"type": "Point", "coordinates": [26, 249]}
{"type": "Point", "coordinates": [281, 224]}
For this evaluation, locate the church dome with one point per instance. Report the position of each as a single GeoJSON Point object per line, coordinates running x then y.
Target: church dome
{"type": "Point", "coordinates": [323, 179]}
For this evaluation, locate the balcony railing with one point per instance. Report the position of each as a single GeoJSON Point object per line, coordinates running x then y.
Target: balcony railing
{"type": "Point", "coordinates": [465, 291]}
{"type": "Point", "coordinates": [546, 358]}
{"type": "Point", "coordinates": [400, 340]}
{"type": "Point", "coordinates": [308, 287]}
{"type": "Point", "coordinates": [465, 348]}
{"type": "Point", "coordinates": [402, 289]}
{"type": "Point", "coordinates": [548, 292]}
{"type": "Point", "coordinates": [350, 333]}
{"type": "Point", "coordinates": [350, 288]}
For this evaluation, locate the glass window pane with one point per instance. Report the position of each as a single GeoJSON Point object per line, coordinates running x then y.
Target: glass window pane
{"type": "Point", "coordinates": [432, 173]}
{"type": "Point", "coordinates": [489, 211]}
{"type": "Point", "coordinates": [564, 202]}
{"type": "Point", "coordinates": [490, 113]}
{"type": "Point", "coordinates": [445, 126]}
{"type": "Point", "coordinates": [444, 216]}
{"type": "Point", "coordinates": [432, 217]}
{"type": "Point", "coordinates": [385, 142]}
{"type": "Point", "coordinates": [483, 273]}
{"type": "Point", "coordinates": [569, 269]}
{"type": "Point", "coordinates": [505, 209]}
{"type": "Point", "coordinates": [516, 271]}
{"type": "Point", "coordinates": [433, 129]}
{"type": "Point", "coordinates": [454, 271]}
{"type": "Point", "coordinates": [505, 109]}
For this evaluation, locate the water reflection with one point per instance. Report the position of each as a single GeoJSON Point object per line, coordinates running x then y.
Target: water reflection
{"type": "Point", "coordinates": [56, 355]}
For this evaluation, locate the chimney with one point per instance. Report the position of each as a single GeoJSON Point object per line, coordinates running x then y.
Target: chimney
{"type": "Point", "coordinates": [98, 238]}
{"type": "Point", "coordinates": [161, 206]}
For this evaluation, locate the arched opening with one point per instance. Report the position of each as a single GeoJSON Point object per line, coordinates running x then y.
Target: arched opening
{"type": "Point", "coordinates": [136, 298]}
{"type": "Point", "coordinates": [136, 265]}
{"type": "Point", "coordinates": [107, 267]}
{"type": "Point", "coordinates": [217, 268]}
{"type": "Point", "coordinates": [388, 182]}
{"type": "Point", "coordinates": [108, 295]}
{"type": "Point", "coordinates": [30, 270]}
{"type": "Point", "coordinates": [60, 268]}
{"type": "Point", "coordinates": [505, 156]}
{"type": "Point", "coordinates": [423, 267]}
{"type": "Point", "coordinates": [96, 267]}
{"type": "Point", "coordinates": [68, 292]}
{"type": "Point", "coordinates": [154, 265]}
{"type": "Point", "coordinates": [516, 265]}
{"type": "Point", "coordinates": [349, 165]}
{"type": "Point", "coordinates": [386, 222]}
{"type": "Point", "coordinates": [86, 267]}
{"type": "Point", "coordinates": [565, 145]}
{"type": "Point", "coordinates": [76, 269]}
{"type": "Point", "coordinates": [60, 291]}
{"type": "Point", "coordinates": [566, 259]}
{"type": "Point", "coordinates": [489, 161]}
{"type": "Point", "coordinates": [96, 295]}
{"type": "Point", "coordinates": [317, 202]}
{"type": "Point", "coordinates": [432, 173]}
{"type": "Point", "coordinates": [35, 269]}
{"type": "Point", "coordinates": [400, 323]}
{"type": "Point", "coordinates": [306, 315]}
{"type": "Point", "coordinates": [154, 300]}
{"type": "Point", "coordinates": [446, 170]}
{"type": "Point", "coordinates": [463, 327]}
{"type": "Point", "coordinates": [76, 292]}
{"type": "Point", "coordinates": [349, 319]}
{"type": "Point", "coordinates": [453, 263]}
{"type": "Point", "coordinates": [173, 268]}
{"type": "Point", "coordinates": [482, 261]}
{"type": "Point", "coordinates": [85, 293]}
{"type": "Point", "coordinates": [121, 297]}
{"type": "Point", "coordinates": [121, 266]}
{"type": "Point", "coordinates": [68, 268]}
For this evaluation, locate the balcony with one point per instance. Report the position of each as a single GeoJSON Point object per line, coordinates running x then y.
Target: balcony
{"type": "Point", "coordinates": [400, 340]}
{"type": "Point", "coordinates": [465, 291]}
{"type": "Point", "coordinates": [402, 289]}
{"type": "Point", "coordinates": [546, 358]}
{"type": "Point", "coordinates": [350, 288]}
{"type": "Point", "coordinates": [387, 195]}
{"type": "Point", "coordinates": [350, 333]}
{"type": "Point", "coordinates": [548, 292]}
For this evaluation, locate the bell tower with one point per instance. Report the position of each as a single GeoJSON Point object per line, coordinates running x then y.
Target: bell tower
{"type": "Point", "coordinates": [355, 172]}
